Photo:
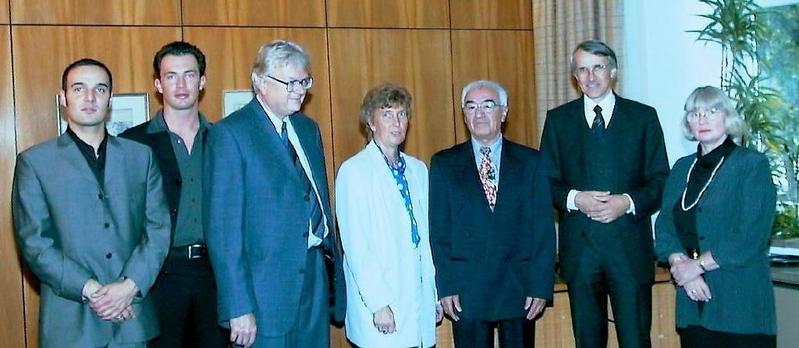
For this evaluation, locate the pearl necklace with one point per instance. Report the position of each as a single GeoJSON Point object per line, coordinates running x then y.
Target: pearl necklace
{"type": "Point", "coordinates": [688, 177]}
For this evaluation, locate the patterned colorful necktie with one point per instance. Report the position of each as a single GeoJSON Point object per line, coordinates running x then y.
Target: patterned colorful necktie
{"type": "Point", "coordinates": [488, 175]}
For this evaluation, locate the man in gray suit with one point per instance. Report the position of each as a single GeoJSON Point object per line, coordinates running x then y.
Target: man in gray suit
{"type": "Point", "coordinates": [267, 210]}
{"type": "Point", "coordinates": [91, 221]}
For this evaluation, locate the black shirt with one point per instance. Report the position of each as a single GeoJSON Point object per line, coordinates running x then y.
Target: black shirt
{"type": "Point", "coordinates": [685, 220]}
{"type": "Point", "coordinates": [96, 162]}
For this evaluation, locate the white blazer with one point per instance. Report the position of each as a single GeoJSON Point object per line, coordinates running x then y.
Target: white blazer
{"type": "Point", "coordinates": [381, 266]}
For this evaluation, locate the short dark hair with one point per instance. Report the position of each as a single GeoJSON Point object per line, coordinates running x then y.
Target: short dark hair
{"type": "Point", "coordinates": [86, 62]}
{"type": "Point", "coordinates": [178, 48]}
{"type": "Point", "coordinates": [597, 48]}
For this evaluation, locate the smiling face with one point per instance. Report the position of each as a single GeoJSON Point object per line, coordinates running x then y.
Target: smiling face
{"type": "Point", "coordinates": [593, 73]}
{"type": "Point", "coordinates": [276, 95]}
{"type": "Point", "coordinates": [484, 124]}
{"type": "Point", "coordinates": [180, 82]}
{"type": "Point", "coordinates": [87, 97]}
{"type": "Point", "coordinates": [389, 126]}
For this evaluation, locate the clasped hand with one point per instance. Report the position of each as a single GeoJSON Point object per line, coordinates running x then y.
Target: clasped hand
{"type": "Point", "coordinates": [111, 301]}
{"type": "Point", "coordinates": [601, 206]}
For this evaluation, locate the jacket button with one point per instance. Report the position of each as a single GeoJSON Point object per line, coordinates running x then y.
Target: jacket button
{"type": "Point", "coordinates": [302, 271]}
{"type": "Point", "coordinates": [100, 196]}
{"type": "Point", "coordinates": [702, 238]}
{"type": "Point", "coordinates": [108, 256]}
{"type": "Point", "coordinates": [106, 225]}
{"type": "Point", "coordinates": [306, 198]}
{"type": "Point", "coordinates": [305, 234]}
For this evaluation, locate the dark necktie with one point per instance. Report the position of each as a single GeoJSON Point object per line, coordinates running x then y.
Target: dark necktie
{"type": "Point", "coordinates": [598, 127]}
{"type": "Point", "coordinates": [316, 212]}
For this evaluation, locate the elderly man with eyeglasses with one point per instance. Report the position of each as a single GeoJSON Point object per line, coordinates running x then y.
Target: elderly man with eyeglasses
{"type": "Point", "coordinates": [269, 225]}
{"type": "Point", "coordinates": [491, 228]}
{"type": "Point", "coordinates": [609, 165]}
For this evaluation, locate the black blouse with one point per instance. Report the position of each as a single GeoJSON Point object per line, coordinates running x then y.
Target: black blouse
{"type": "Point", "coordinates": [685, 220]}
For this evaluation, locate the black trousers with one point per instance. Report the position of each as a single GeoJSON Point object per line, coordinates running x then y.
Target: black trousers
{"type": "Point", "coordinates": [185, 297]}
{"type": "Point", "coordinates": [514, 333]}
{"type": "Point", "coordinates": [699, 337]}
{"type": "Point", "coordinates": [600, 277]}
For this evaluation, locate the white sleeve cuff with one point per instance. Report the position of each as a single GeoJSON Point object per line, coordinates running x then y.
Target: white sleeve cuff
{"type": "Point", "coordinates": [630, 210]}
{"type": "Point", "coordinates": [570, 205]}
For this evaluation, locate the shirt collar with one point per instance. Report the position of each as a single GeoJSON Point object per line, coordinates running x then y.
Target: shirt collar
{"type": "Point", "coordinates": [607, 103]}
{"type": "Point", "coordinates": [158, 123]}
{"type": "Point", "coordinates": [85, 146]}
{"type": "Point", "coordinates": [495, 146]}
{"type": "Point", "coordinates": [277, 122]}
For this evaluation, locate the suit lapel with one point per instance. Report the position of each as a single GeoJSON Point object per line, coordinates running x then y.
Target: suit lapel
{"type": "Point", "coordinates": [270, 139]}
{"type": "Point", "coordinates": [114, 165]}
{"type": "Point", "coordinates": [69, 153]}
{"type": "Point", "coordinates": [508, 174]}
{"type": "Point", "coordinates": [473, 187]}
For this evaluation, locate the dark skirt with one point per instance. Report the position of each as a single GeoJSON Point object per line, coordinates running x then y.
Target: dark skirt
{"type": "Point", "coordinates": [699, 337]}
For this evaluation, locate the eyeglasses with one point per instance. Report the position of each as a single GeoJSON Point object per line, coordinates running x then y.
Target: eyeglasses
{"type": "Point", "coordinates": [295, 85]}
{"type": "Point", "coordinates": [488, 106]}
{"type": "Point", "coordinates": [708, 114]}
{"type": "Point", "coordinates": [596, 69]}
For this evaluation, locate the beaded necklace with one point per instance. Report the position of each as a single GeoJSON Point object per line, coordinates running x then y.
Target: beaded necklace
{"type": "Point", "coordinates": [688, 177]}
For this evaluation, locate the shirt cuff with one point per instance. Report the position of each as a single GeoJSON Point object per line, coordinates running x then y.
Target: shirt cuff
{"type": "Point", "coordinates": [631, 209]}
{"type": "Point", "coordinates": [570, 205]}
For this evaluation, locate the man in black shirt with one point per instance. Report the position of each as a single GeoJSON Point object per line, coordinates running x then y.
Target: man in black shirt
{"type": "Point", "coordinates": [91, 222]}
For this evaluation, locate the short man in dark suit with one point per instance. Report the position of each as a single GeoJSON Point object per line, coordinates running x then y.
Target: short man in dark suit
{"type": "Point", "coordinates": [491, 228]}
{"type": "Point", "coordinates": [268, 211]}
{"type": "Point", "coordinates": [185, 292]}
{"type": "Point", "coordinates": [609, 165]}
{"type": "Point", "coordinates": [91, 222]}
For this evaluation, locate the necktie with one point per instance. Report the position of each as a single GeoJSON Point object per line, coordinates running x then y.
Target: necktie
{"type": "Point", "coordinates": [598, 127]}
{"type": "Point", "coordinates": [488, 175]}
{"type": "Point", "coordinates": [315, 210]}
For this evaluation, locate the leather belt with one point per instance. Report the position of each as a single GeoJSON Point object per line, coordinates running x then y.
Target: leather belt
{"type": "Point", "coordinates": [191, 252]}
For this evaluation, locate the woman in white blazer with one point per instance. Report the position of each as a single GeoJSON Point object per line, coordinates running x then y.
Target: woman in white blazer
{"type": "Point", "coordinates": [381, 203]}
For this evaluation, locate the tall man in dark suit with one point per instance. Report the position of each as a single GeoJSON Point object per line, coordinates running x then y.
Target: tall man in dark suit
{"type": "Point", "coordinates": [91, 221]}
{"type": "Point", "coordinates": [608, 169]}
{"type": "Point", "coordinates": [491, 228]}
{"type": "Point", "coordinates": [268, 211]}
{"type": "Point", "coordinates": [185, 292]}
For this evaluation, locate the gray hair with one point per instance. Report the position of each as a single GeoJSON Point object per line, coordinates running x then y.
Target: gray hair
{"type": "Point", "coordinates": [711, 97]}
{"type": "Point", "coordinates": [278, 54]}
{"type": "Point", "coordinates": [501, 92]}
{"type": "Point", "coordinates": [597, 48]}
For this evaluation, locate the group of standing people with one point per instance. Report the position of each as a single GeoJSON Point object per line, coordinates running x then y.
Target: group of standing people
{"type": "Point", "coordinates": [224, 232]}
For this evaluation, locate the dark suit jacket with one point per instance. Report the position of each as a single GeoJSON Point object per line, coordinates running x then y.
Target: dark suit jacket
{"type": "Point", "coordinates": [733, 220]}
{"type": "Point", "coordinates": [492, 260]}
{"type": "Point", "coordinates": [69, 229]}
{"type": "Point", "coordinates": [641, 167]}
{"type": "Point", "coordinates": [257, 218]}
{"type": "Point", "coordinates": [161, 144]}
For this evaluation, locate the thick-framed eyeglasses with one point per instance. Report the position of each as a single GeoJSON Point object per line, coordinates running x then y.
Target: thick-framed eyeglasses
{"type": "Point", "coordinates": [295, 85]}
{"type": "Point", "coordinates": [708, 114]}
{"type": "Point", "coordinates": [596, 69]}
{"type": "Point", "coordinates": [487, 105]}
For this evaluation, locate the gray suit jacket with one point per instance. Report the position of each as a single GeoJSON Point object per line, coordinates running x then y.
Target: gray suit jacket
{"type": "Point", "coordinates": [257, 218]}
{"type": "Point", "coordinates": [733, 220]}
{"type": "Point", "coordinates": [69, 229]}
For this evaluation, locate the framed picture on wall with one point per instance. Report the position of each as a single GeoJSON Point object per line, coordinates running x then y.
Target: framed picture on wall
{"type": "Point", "coordinates": [127, 110]}
{"type": "Point", "coordinates": [235, 99]}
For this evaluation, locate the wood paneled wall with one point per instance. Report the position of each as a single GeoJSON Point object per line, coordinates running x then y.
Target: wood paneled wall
{"type": "Point", "coordinates": [432, 47]}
